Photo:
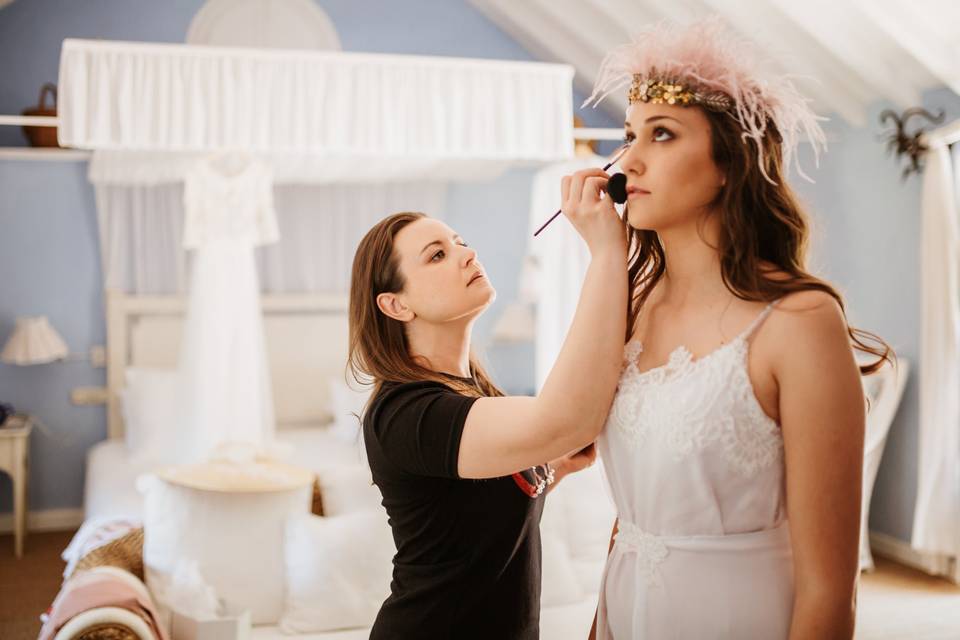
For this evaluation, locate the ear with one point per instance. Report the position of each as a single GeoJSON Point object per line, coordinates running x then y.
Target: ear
{"type": "Point", "coordinates": [392, 306]}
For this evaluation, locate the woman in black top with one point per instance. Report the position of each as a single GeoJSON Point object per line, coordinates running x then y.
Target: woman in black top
{"type": "Point", "coordinates": [462, 468]}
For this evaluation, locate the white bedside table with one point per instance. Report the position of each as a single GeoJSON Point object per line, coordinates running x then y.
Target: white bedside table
{"type": "Point", "coordinates": [15, 460]}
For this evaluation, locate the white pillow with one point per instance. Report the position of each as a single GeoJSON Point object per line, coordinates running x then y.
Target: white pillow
{"type": "Point", "coordinates": [338, 571]}
{"type": "Point", "coordinates": [347, 404]}
{"type": "Point", "coordinates": [560, 583]}
{"type": "Point", "coordinates": [589, 514]}
{"type": "Point", "coordinates": [150, 406]}
{"type": "Point", "coordinates": [348, 489]}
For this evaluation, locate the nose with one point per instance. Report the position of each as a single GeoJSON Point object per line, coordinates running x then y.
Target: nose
{"type": "Point", "coordinates": [470, 256]}
{"type": "Point", "coordinates": [631, 161]}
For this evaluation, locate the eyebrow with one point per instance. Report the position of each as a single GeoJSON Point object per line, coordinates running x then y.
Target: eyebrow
{"type": "Point", "coordinates": [653, 119]}
{"type": "Point", "coordinates": [456, 237]}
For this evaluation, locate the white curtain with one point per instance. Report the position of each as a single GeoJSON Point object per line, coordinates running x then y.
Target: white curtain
{"type": "Point", "coordinates": [141, 232]}
{"type": "Point", "coordinates": [556, 264]}
{"type": "Point", "coordinates": [936, 526]}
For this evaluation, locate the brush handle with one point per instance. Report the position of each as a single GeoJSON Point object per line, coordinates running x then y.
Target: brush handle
{"type": "Point", "coordinates": [554, 216]}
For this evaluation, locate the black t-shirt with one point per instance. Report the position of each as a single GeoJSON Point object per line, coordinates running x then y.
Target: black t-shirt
{"type": "Point", "coordinates": [468, 551]}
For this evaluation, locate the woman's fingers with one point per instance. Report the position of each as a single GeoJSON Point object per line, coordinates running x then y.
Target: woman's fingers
{"type": "Point", "coordinates": [593, 188]}
{"type": "Point", "coordinates": [573, 190]}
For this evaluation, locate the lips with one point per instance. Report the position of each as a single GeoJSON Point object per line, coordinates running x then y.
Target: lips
{"type": "Point", "coordinates": [633, 191]}
{"type": "Point", "coordinates": [476, 276]}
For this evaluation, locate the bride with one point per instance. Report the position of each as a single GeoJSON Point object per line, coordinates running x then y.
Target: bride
{"type": "Point", "coordinates": [733, 448]}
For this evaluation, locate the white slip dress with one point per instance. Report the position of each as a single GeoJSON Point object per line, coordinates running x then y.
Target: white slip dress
{"type": "Point", "coordinates": [696, 470]}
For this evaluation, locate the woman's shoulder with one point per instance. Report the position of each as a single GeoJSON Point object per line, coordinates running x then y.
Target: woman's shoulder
{"type": "Point", "coordinates": [814, 303]}
{"type": "Point", "coordinates": [806, 324]}
{"type": "Point", "coordinates": [810, 309]}
{"type": "Point", "coordinates": [394, 395]}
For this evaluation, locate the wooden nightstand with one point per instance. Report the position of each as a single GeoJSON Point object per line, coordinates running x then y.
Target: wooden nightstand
{"type": "Point", "coordinates": [15, 460]}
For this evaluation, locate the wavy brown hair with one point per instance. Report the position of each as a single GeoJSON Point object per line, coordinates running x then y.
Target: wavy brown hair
{"type": "Point", "coordinates": [760, 224]}
{"type": "Point", "coordinates": [379, 352]}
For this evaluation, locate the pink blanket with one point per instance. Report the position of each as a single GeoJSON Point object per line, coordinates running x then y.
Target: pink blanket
{"type": "Point", "coordinates": [97, 588]}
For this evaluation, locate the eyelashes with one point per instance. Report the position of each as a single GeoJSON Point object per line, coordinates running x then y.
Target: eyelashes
{"type": "Point", "coordinates": [630, 138]}
{"type": "Point", "coordinates": [441, 253]}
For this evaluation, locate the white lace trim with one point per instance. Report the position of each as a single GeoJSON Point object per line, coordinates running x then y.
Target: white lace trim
{"type": "Point", "coordinates": [689, 404]}
{"type": "Point", "coordinates": [650, 549]}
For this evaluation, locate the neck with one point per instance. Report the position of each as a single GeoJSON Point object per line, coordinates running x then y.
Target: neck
{"type": "Point", "coordinates": [444, 348]}
{"type": "Point", "coordinates": [693, 273]}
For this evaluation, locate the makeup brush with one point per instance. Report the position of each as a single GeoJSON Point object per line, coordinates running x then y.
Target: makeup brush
{"type": "Point", "coordinates": [616, 187]}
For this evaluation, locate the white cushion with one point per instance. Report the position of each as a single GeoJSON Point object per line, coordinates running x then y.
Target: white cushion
{"type": "Point", "coordinates": [149, 406]}
{"type": "Point", "coordinates": [338, 571]}
{"type": "Point", "coordinates": [347, 404]}
{"type": "Point", "coordinates": [348, 489]}
{"type": "Point", "coordinates": [560, 584]}
{"type": "Point", "coordinates": [590, 513]}
{"type": "Point", "coordinates": [585, 523]}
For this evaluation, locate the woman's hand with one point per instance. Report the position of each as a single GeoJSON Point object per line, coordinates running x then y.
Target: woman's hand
{"type": "Point", "coordinates": [591, 212]}
{"type": "Point", "coordinates": [576, 461]}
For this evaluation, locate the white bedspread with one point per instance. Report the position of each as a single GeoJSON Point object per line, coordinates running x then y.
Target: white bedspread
{"type": "Point", "coordinates": [110, 489]}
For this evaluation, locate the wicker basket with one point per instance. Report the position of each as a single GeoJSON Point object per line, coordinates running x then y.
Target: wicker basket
{"type": "Point", "coordinates": [43, 136]}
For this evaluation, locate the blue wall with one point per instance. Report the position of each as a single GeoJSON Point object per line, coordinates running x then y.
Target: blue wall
{"type": "Point", "coordinates": [867, 241]}
{"type": "Point", "coordinates": [866, 238]}
{"type": "Point", "coordinates": [48, 236]}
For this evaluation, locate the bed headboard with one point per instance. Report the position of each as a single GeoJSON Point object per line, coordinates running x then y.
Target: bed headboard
{"type": "Point", "coordinates": [306, 339]}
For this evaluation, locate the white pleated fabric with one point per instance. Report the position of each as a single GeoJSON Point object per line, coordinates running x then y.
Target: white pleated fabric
{"type": "Point", "coordinates": [141, 229]}
{"type": "Point", "coordinates": [171, 97]}
{"type": "Point", "coordinates": [696, 471]}
{"type": "Point", "coordinates": [936, 523]}
{"type": "Point", "coordinates": [556, 263]}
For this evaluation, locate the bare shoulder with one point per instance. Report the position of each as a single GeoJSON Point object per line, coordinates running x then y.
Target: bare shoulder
{"type": "Point", "coordinates": [812, 309]}
{"type": "Point", "coordinates": [809, 326]}
{"type": "Point", "coordinates": [809, 312]}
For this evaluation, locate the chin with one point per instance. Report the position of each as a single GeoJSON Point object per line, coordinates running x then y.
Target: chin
{"type": "Point", "coordinates": [646, 219]}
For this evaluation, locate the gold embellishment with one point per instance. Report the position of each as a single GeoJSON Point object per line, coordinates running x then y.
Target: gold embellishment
{"type": "Point", "coordinates": [666, 91]}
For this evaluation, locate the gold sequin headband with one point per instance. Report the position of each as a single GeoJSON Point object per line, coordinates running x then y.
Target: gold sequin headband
{"type": "Point", "coordinates": [665, 91]}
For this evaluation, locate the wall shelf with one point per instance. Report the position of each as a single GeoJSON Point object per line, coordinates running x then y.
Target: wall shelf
{"type": "Point", "coordinates": [42, 153]}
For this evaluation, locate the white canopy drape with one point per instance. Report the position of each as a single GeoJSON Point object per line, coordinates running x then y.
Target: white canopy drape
{"type": "Point", "coordinates": [936, 526]}
{"type": "Point", "coordinates": [411, 113]}
{"type": "Point", "coordinates": [141, 232]}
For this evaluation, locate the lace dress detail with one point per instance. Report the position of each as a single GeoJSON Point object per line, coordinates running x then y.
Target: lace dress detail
{"type": "Point", "coordinates": [695, 468]}
{"type": "Point", "coordinates": [688, 404]}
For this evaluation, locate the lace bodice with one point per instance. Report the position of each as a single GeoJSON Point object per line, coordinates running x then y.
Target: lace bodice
{"type": "Point", "coordinates": [687, 447]}
{"type": "Point", "coordinates": [229, 197]}
{"type": "Point", "coordinates": [689, 403]}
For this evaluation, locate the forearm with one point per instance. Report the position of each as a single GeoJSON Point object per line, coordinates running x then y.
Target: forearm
{"type": "Point", "coordinates": [580, 387]}
{"type": "Point", "coordinates": [823, 617]}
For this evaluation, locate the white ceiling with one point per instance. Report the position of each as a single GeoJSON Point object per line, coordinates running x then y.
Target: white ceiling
{"type": "Point", "coordinates": [848, 53]}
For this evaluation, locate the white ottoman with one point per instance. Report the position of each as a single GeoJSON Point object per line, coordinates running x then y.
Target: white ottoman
{"type": "Point", "coordinates": [229, 519]}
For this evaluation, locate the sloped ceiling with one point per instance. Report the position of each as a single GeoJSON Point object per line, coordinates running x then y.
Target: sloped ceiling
{"type": "Point", "coordinates": [847, 53]}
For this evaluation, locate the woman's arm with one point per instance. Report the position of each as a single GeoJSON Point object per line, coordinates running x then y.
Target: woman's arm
{"type": "Point", "coordinates": [822, 417]}
{"type": "Point", "coordinates": [503, 435]}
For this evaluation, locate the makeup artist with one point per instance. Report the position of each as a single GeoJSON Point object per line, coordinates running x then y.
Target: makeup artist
{"type": "Point", "coordinates": [462, 468]}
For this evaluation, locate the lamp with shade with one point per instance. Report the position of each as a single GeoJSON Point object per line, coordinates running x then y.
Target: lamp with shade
{"type": "Point", "coordinates": [33, 341]}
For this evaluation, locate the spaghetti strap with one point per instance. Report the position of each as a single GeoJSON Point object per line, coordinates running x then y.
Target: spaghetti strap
{"type": "Point", "coordinates": [748, 333]}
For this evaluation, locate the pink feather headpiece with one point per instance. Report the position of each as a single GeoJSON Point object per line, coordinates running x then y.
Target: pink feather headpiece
{"type": "Point", "coordinates": [703, 64]}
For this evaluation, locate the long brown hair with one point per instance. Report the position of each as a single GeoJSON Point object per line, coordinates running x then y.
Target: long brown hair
{"type": "Point", "coordinates": [759, 223]}
{"type": "Point", "coordinates": [379, 351]}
